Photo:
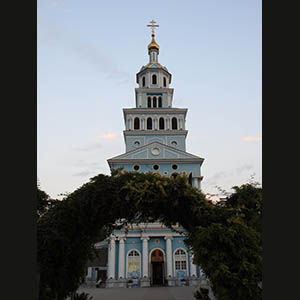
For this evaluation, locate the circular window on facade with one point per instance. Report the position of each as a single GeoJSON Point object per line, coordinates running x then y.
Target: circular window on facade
{"type": "Point", "coordinates": [136, 143]}
{"type": "Point", "coordinates": [136, 167]}
{"type": "Point", "coordinates": [155, 151]}
{"type": "Point", "coordinates": [174, 167]}
{"type": "Point", "coordinates": [155, 167]}
{"type": "Point", "coordinates": [174, 143]}
{"type": "Point", "coordinates": [165, 172]}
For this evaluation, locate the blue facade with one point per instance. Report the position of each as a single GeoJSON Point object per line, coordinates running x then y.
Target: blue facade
{"type": "Point", "coordinates": [155, 139]}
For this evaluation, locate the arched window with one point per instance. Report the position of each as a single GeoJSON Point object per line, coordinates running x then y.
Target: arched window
{"type": "Point", "coordinates": [149, 101]}
{"type": "Point", "coordinates": [149, 123]}
{"type": "Point", "coordinates": [136, 123]}
{"type": "Point", "coordinates": [161, 123]}
{"type": "Point", "coordinates": [154, 79]}
{"type": "Point", "coordinates": [180, 258]}
{"type": "Point", "coordinates": [133, 263]}
{"type": "Point", "coordinates": [174, 123]}
{"type": "Point", "coordinates": [159, 102]}
{"type": "Point", "coordinates": [143, 80]}
{"type": "Point", "coordinates": [165, 82]}
{"type": "Point", "coordinates": [154, 102]}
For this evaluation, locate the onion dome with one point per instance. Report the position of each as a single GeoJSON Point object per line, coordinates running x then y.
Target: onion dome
{"type": "Point", "coordinates": [153, 44]}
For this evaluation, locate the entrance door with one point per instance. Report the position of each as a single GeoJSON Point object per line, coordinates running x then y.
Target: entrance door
{"type": "Point", "coordinates": [157, 267]}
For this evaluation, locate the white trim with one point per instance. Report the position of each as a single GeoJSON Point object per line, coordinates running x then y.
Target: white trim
{"type": "Point", "coordinates": [140, 256]}
{"type": "Point", "coordinates": [186, 260]}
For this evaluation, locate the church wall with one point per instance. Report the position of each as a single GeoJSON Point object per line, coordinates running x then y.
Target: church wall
{"type": "Point", "coordinates": [163, 168]}
{"type": "Point", "coordinates": [164, 139]}
{"type": "Point", "coordinates": [152, 244]}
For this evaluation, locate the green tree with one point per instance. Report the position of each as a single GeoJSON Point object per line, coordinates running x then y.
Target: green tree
{"type": "Point", "coordinates": [224, 244]}
{"type": "Point", "coordinates": [230, 249]}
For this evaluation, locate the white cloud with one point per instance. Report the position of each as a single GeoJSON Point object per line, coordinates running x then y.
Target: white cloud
{"type": "Point", "coordinates": [109, 136]}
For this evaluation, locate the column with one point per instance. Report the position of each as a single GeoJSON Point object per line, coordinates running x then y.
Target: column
{"type": "Point", "coordinates": [145, 256]}
{"type": "Point", "coordinates": [169, 255]}
{"type": "Point", "coordinates": [139, 100]}
{"type": "Point", "coordinates": [121, 257]}
{"type": "Point", "coordinates": [111, 258]}
{"type": "Point", "coordinates": [89, 274]}
{"type": "Point", "coordinates": [192, 266]}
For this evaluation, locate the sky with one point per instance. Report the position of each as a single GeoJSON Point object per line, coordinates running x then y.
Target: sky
{"type": "Point", "coordinates": [88, 54]}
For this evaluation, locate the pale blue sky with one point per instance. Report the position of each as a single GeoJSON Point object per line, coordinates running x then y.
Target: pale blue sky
{"type": "Point", "coordinates": [88, 54]}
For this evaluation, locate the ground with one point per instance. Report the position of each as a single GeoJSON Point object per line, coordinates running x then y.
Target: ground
{"type": "Point", "coordinates": [160, 293]}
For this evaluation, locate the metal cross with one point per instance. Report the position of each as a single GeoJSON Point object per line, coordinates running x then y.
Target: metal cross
{"type": "Point", "coordinates": [152, 25]}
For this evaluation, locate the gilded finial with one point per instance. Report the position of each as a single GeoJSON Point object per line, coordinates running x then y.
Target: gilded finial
{"type": "Point", "coordinates": [153, 26]}
{"type": "Point", "coordinates": [153, 43]}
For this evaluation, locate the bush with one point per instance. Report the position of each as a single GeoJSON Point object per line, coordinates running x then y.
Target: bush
{"type": "Point", "coordinates": [82, 296]}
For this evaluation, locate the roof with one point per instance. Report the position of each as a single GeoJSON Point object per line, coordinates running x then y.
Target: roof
{"type": "Point", "coordinates": [156, 151]}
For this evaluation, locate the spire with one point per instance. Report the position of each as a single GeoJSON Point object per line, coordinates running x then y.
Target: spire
{"type": "Point", "coordinates": [153, 47]}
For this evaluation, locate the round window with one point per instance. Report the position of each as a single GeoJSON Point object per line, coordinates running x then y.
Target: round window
{"type": "Point", "coordinates": [155, 151]}
{"type": "Point", "coordinates": [136, 143]}
{"type": "Point", "coordinates": [136, 167]}
{"type": "Point", "coordinates": [174, 143]}
{"type": "Point", "coordinates": [155, 167]}
{"type": "Point", "coordinates": [174, 167]}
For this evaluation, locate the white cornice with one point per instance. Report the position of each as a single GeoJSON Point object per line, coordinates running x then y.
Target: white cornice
{"type": "Point", "coordinates": [155, 132]}
{"type": "Point", "coordinates": [160, 110]}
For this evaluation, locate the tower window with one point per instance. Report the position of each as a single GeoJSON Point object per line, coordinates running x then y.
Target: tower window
{"type": "Point", "coordinates": [149, 101]}
{"type": "Point", "coordinates": [161, 123]}
{"type": "Point", "coordinates": [165, 82]}
{"type": "Point", "coordinates": [174, 123]}
{"type": "Point", "coordinates": [149, 123]}
{"type": "Point", "coordinates": [143, 81]}
{"type": "Point", "coordinates": [154, 102]}
{"type": "Point", "coordinates": [136, 123]}
{"type": "Point", "coordinates": [154, 79]}
{"type": "Point", "coordinates": [159, 102]}
{"type": "Point", "coordinates": [136, 167]}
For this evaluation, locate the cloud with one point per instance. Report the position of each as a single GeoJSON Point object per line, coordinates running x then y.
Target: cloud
{"type": "Point", "coordinates": [83, 173]}
{"type": "Point", "coordinates": [223, 176]}
{"type": "Point", "coordinates": [252, 139]}
{"type": "Point", "coordinates": [54, 35]}
{"type": "Point", "coordinates": [109, 136]}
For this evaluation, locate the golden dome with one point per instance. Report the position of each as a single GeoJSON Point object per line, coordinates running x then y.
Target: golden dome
{"type": "Point", "coordinates": [153, 44]}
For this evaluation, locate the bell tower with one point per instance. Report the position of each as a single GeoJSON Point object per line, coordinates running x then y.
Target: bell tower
{"type": "Point", "coordinates": [155, 133]}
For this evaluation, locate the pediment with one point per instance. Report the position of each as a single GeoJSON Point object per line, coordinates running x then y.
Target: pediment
{"type": "Point", "coordinates": [155, 150]}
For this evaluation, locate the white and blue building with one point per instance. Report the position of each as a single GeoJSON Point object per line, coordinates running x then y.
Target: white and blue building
{"type": "Point", "coordinates": [155, 139]}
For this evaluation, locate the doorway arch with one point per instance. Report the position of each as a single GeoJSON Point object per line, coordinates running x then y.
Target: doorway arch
{"type": "Point", "coordinates": [157, 266]}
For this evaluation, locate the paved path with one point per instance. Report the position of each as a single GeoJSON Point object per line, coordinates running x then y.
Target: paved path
{"type": "Point", "coordinates": [158, 293]}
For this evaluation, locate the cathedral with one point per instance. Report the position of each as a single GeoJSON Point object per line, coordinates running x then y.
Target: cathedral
{"type": "Point", "coordinates": [155, 141]}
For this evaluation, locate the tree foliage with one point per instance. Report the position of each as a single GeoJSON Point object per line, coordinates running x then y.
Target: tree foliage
{"type": "Point", "coordinates": [221, 236]}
